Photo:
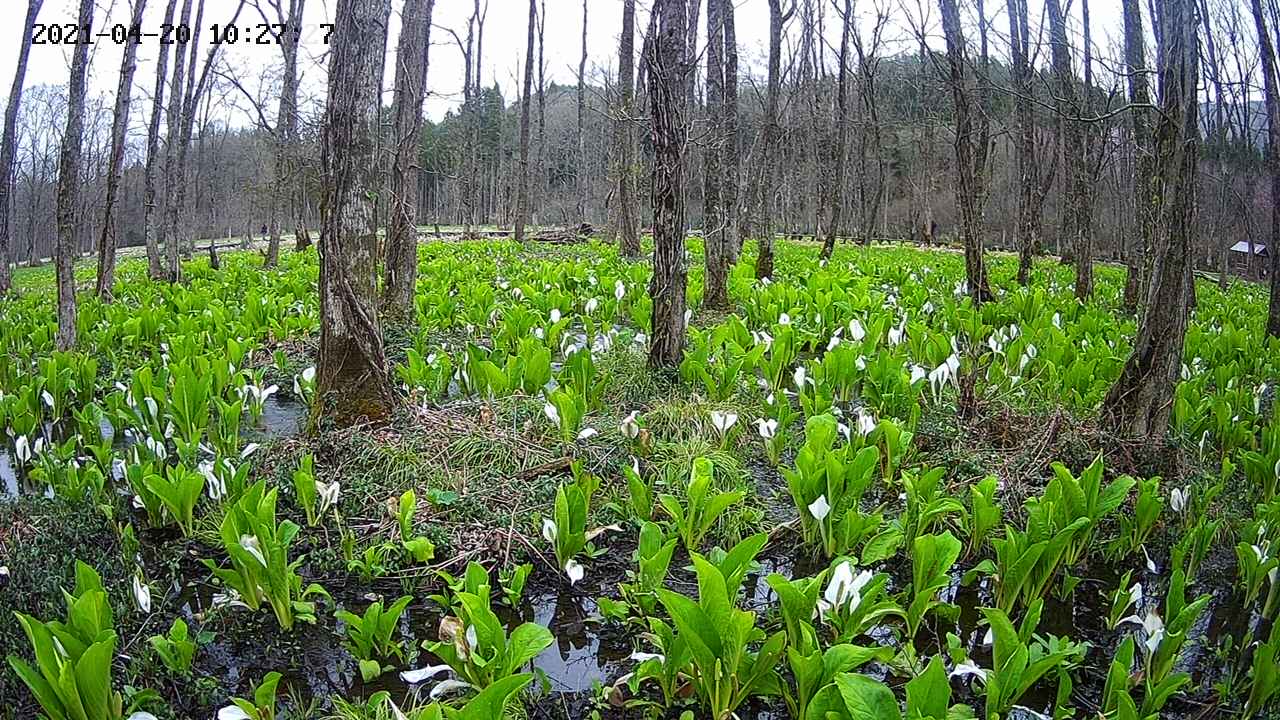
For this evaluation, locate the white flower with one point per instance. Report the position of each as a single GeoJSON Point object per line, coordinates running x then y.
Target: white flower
{"type": "Point", "coordinates": [549, 530]}
{"type": "Point", "coordinates": [552, 414]}
{"type": "Point", "coordinates": [156, 447]}
{"type": "Point", "coordinates": [643, 656]}
{"type": "Point", "coordinates": [48, 399]}
{"type": "Point", "coordinates": [232, 712]}
{"type": "Point", "coordinates": [141, 715]}
{"type": "Point", "coordinates": [141, 594]}
{"type": "Point", "coordinates": [630, 427]}
{"type": "Point", "coordinates": [1178, 498]}
{"type": "Point", "coordinates": [722, 421]}
{"type": "Point", "coordinates": [967, 667]}
{"type": "Point", "coordinates": [898, 334]}
{"type": "Point", "coordinates": [574, 570]}
{"type": "Point", "coordinates": [248, 450]}
{"type": "Point", "coordinates": [448, 686]}
{"type": "Point", "coordinates": [586, 433]}
{"type": "Point", "coordinates": [591, 306]}
{"type": "Point", "coordinates": [943, 374]}
{"type": "Point", "coordinates": [413, 677]}
{"type": "Point", "coordinates": [800, 376]}
{"type": "Point", "coordinates": [819, 508]}
{"type": "Point", "coordinates": [784, 319]}
{"type": "Point", "coordinates": [619, 290]}
{"type": "Point", "coordinates": [865, 422]}
{"type": "Point", "coordinates": [555, 315]}
{"type": "Point", "coordinates": [1135, 594]}
{"type": "Point", "coordinates": [767, 428]}
{"type": "Point", "coordinates": [328, 494]}
{"type": "Point", "coordinates": [856, 333]}
{"type": "Point", "coordinates": [918, 373]}
{"type": "Point", "coordinates": [844, 591]}
{"type": "Point", "coordinates": [1151, 564]}
{"type": "Point", "coordinates": [251, 546]}
{"type": "Point", "coordinates": [1152, 627]}
{"type": "Point", "coordinates": [22, 447]}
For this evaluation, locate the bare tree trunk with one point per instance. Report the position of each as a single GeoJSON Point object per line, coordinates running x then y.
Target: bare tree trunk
{"type": "Point", "coordinates": [625, 212]}
{"type": "Point", "coordinates": [540, 164]}
{"type": "Point", "coordinates": [835, 187]}
{"type": "Point", "coordinates": [730, 163]}
{"type": "Point", "coordinates": [119, 126]}
{"type": "Point", "coordinates": [522, 211]}
{"type": "Point", "coordinates": [668, 67]}
{"type": "Point", "coordinates": [406, 112]}
{"type": "Point", "coordinates": [69, 186]}
{"type": "Point", "coordinates": [9, 145]}
{"type": "Point", "coordinates": [580, 165]}
{"type": "Point", "coordinates": [1024, 137]}
{"type": "Point", "coordinates": [286, 129]}
{"type": "Point", "coordinates": [970, 161]}
{"type": "Point", "coordinates": [173, 170]}
{"type": "Point", "coordinates": [1075, 199]}
{"type": "Point", "coordinates": [150, 230]}
{"type": "Point", "coordinates": [1271, 95]}
{"type": "Point", "coordinates": [1139, 403]}
{"type": "Point", "coordinates": [772, 136]}
{"type": "Point", "coordinates": [715, 291]}
{"type": "Point", "coordinates": [1141, 244]}
{"type": "Point", "coordinates": [352, 372]}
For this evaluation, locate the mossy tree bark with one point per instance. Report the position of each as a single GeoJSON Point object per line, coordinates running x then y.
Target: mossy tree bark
{"type": "Point", "coordinates": [352, 376]}
{"type": "Point", "coordinates": [150, 231]}
{"type": "Point", "coordinates": [286, 128]}
{"type": "Point", "coordinates": [715, 290]}
{"type": "Point", "coordinates": [1135, 50]}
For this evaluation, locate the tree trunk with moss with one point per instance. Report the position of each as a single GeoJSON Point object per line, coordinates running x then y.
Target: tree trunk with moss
{"type": "Point", "coordinates": [69, 186]}
{"type": "Point", "coordinates": [351, 376]}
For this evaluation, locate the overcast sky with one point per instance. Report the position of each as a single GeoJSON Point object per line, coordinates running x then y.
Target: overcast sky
{"type": "Point", "coordinates": [504, 41]}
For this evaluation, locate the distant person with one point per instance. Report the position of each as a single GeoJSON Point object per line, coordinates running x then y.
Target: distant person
{"type": "Point", "coordinates": [264, 229]}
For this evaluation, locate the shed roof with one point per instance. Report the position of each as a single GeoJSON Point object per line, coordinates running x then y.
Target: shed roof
{"type": "Point", "coordinates": [1243, 247]}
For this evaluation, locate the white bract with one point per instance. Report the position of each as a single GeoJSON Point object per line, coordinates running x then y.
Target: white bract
{"type": "Point", "coordinates": [767, 428]}
{"type": "Point", "coordinates": [141, 594]}
{"type": "Point", "coordinates": [844, 591]}
{"type": "Point", "coordinates": [630, 426]}
{"type": "Point", "coordinates": [723, 420]}
{"type": "Point", "coordinates": [819, 508]}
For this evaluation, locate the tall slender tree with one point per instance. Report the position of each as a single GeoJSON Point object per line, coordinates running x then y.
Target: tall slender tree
{"type": "Point", "coordinates": [730, 152]}
{"type": "Point", "coordinates": [970, 148]}
{"type": "Point", "coordinates": [624, 172]}
{"type": "Point", "coordinates": [150, 229]}
{"type": "Point", "coordinates": [1075, 233]}
{"type": "Point", "coordinates": [351, 375]}
{"type": "Point", "coordinates": [1271, 99]}
{"type": "Point", "coordinates": [715, 285]}
{"type": "Point", "coordinates": [1024, 138]}
{"type": "Point", "coordinates": [406, 113]}
{"type": "Point", "coordinates": [834, 197]}
{"type": "Point", "coordinates": [286, 140]}
{"type": "Point", "coordinates": [580, 157]}
{"type": "Point", "coordinates": [69, 185]}
{"type": "Point", "coordinates": [9, 144]}
{"type": "Point", "coordinates": [1140, 246]}
{"type": "Point", "coordinates": [1138, 404]}
{"type": "Point", "coordinates": [119, 126]}
{"type": "Point", "coordinates": [668, 66]}
{"type": "Point", "coordinates": [772, 138]}
{"type": "Point", "coordinates": [522, 211]}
